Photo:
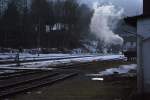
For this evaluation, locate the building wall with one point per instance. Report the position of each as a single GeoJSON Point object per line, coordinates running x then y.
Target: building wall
{"type": "Point", "coordinates": [128, 33]}
{"type": "Point", "coordinates": [129, 46]}
{"type": "Point", "coordinates": [143, 53]}
{"type": "Point", "coordinates": [143, 27]}
{"type": "Point", "coordinates": [146, 65]}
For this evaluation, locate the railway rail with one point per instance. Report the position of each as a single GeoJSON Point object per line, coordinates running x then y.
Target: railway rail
{"type": "Point", "coordinates": [27, 80]}
{"type": "Point", "coordinates": [18, 74]}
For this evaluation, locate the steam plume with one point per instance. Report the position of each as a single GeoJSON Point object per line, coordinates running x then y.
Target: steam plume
{"type": "Point", "coordinates": [103, 22]}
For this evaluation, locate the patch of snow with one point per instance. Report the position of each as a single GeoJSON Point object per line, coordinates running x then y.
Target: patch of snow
{"type": "Point", "coordinates": [120, 70]}
{"type": "Point", "coordinates": [28, 56]}
{"type": "Point", "coordinates": [97, 79]}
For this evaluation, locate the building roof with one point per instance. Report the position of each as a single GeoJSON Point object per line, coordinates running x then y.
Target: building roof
{"type": "Point", "coordinates": [146, 7]}
{"type": "Point", "coordinates": [131, 21]}
{"type": "Point", "coordinates": [146, 14]}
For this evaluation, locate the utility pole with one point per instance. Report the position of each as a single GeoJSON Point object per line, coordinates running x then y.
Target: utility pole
{"type": "Point", "coordinates": [24, 18]}
{"type": "Point", "coordinates": [39, 36]}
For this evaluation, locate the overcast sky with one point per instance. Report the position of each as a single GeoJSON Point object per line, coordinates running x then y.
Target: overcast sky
{"type": "Point", "coordinates": [131, 7]}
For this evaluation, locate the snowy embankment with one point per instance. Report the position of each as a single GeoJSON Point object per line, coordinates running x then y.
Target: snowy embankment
{"type": "Point", "coordinates": [52, 63]}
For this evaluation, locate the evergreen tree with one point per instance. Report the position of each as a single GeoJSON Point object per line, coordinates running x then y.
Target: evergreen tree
{"type": "Point", "coordinates": [40, 17]}
{"type": "Point", "coordinates": [11, 25]}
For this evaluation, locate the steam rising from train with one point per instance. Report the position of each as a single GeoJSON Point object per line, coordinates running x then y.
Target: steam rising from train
{"type": "Point", "coordinates": [104, 21]}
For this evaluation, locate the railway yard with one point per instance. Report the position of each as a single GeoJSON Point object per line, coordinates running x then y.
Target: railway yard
{"type": "Point", "coordinates": [67, 81]}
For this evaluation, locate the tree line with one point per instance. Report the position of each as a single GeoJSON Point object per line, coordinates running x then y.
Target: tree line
{"type": "Point", "coordinates": [44, 24]}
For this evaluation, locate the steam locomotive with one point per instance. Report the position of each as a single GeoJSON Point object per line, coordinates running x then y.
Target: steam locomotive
{"type": "Point", "coordinates": [130, 54]}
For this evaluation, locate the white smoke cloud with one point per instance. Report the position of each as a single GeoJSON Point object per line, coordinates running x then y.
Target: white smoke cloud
{"type": "Point", "coordinates": [131, 7]}
{"type": "Point", "coordinates": [104, 20]}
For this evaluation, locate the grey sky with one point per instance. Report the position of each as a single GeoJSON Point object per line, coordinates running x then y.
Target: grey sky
{"type": "Point", "coordinates": [131, 7]}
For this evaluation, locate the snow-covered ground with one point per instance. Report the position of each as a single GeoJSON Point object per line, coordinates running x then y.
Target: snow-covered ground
{"type": "Point", "coordinates": [122, 69]}
{"type": "Point", "coordinates": [28, 56]}
{"type": "Point", "coordinates": [79, 59]}
{"type": "Point", "coordinates": [52, 63]}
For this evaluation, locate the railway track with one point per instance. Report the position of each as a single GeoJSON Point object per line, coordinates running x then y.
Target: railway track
{"type": "Point", "coordinates": [24, 80]}
{"type": "Point", "coordinates": [16, 74]}
{"type": "Point", "coordinates": [27, 80]}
